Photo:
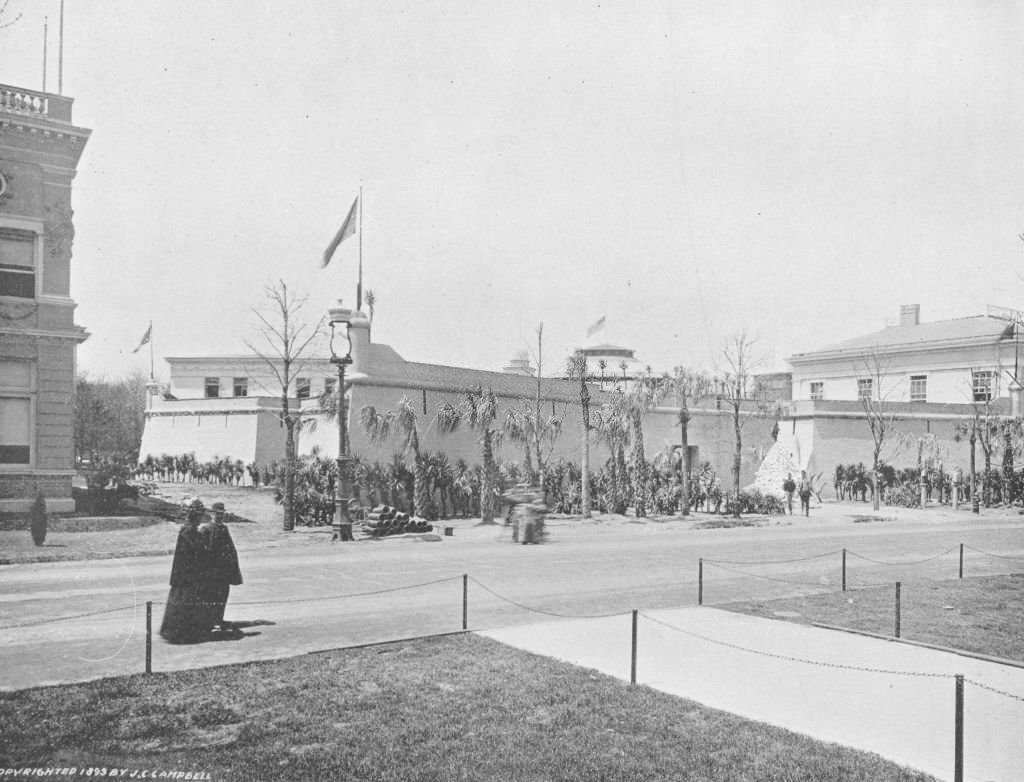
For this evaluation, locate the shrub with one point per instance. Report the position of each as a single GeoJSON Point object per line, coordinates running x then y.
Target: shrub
{"type": "Point", "coordinates": [37, 520]}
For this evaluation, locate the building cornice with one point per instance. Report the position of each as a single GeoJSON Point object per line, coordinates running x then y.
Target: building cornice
{"type": "Point", "coordinates": [78, 334]}
{"type": "Point", "coordinates": [906, 348]}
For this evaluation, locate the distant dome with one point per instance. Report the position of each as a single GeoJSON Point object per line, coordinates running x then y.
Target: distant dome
{"type": "Point", "coordinates": [519, 364]}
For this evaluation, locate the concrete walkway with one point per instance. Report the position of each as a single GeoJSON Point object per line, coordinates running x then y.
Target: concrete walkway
{"type": "Point", "coordinates": [894, 699]}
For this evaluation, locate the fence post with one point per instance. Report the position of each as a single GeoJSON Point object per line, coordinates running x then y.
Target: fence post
{"type": "Point", "coordinates": [897, 609]}
{"type": "Point", "coordinates": [632, 658]}
{"type": "Point", "coordinates": [149, 636]}
{"type": "Point", "coordinates": [958, 731]}
{"type": "Point", "coordinates": [961, 560]}
{"type": "Point", "coordinates": [844, 570]}
{"type": "Point", "coordinates": [700, 581]}
{"type": "Point", "coordinates": [465, 601]}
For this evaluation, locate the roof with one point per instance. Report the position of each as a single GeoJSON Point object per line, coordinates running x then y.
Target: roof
{"type": "Point", "coordinates": [978, 328]}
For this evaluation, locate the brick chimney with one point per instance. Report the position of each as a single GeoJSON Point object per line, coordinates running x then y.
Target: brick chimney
{"type": "Point", "coordinates": [910, 314]}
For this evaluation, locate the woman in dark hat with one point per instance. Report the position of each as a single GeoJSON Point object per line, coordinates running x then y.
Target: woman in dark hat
{"type": "Point", "coordinates": [224, 572]}
{"type": "Point", "coordinates": [186, 616]}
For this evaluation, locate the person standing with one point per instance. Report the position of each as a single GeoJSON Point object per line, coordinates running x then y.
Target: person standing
{"type": "Point", "coordinates": [224, 570]}
{"type": "Point", "coordinates": [789, 486]}
{"type": "Point", "coordinates": [185, 615]}
{"type": "Point", "coordinates": [805, 495]}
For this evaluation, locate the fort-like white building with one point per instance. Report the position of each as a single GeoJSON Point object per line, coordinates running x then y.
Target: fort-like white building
{"type": "Point", "coordinates": [229, 407]}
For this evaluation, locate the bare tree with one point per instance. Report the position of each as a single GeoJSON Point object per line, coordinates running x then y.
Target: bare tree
{"type": "Point", "coordinates": [878, 411]}
{"type": "Point", "coordinates": [739, 393]}
{"type": "Point", "coordinates": [285, 338]}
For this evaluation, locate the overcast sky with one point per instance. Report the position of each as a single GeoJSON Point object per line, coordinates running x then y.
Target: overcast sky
{"type": "Point", "coordinates": [686, 169]}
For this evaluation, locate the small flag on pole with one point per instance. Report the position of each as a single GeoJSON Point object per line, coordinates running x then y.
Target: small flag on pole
{"type": "Point", "coordinates": [347, 229]}
{"type": "Point", "coordinates": [145, 338]}
{"type": "Point", "coordinates": [596, 326]}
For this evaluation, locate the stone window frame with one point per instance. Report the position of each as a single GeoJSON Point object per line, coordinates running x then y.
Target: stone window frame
{"type": "Point", "coordinates": [983, 385]}
{"type": "Point", "coordinates": [26, 392]}
{"type": "Point", "coordinates": [919, 388]}
{"type": "Point", "coordinates": [865, 389]}
{"type": "Point", "coordinates": [240, 384]}
{"type": "Point", "coordinates": [211, 387]}
{"type": "Point", "coordinates": [34, 230]}
{"type": "Point", "coordinates": [817, 390]}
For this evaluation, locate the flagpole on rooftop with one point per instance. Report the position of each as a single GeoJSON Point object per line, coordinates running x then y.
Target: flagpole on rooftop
{"type": "Point", "coordinates": [359, 284]}
{"type": "Point", "coordinates": [151, 376]}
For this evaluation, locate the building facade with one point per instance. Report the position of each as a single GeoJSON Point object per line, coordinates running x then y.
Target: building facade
{"type": "Point", "coordinates": [207, 414]}
{"type": "Point", "coordinates": [930, 379]}
{"type": "Point", "coordinates": [39, 153]}
{"type": "Point", "coordinates": [947, 362]}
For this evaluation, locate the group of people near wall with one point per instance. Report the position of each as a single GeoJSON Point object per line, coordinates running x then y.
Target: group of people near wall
{"type": "Point", "coordinates": [789, 486]}
{"type": "Point", "coordinates": [204, 569]}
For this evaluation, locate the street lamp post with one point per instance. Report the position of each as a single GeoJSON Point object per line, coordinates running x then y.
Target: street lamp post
{"type": "Point", "coordinates": [342, 488]}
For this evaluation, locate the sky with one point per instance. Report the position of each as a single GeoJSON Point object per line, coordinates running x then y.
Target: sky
{"type": "Point", "coordinates": [686, 170]}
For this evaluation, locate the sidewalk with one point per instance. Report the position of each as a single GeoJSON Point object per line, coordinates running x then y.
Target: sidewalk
{"type": "Point", "coordinates": [881, 696]}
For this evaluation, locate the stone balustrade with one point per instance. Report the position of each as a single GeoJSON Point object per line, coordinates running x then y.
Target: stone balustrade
{"type": "Point", "coordinates": [32, 103]}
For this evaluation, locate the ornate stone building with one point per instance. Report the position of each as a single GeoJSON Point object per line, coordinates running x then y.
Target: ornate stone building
{"type": "Point", "coordinates": [39, 153]}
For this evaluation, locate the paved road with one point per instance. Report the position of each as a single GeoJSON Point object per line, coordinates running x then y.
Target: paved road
{"type": "Point", "coordinates": [301, 595]}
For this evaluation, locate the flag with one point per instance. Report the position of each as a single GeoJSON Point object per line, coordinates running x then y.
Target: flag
{"type": "Point", "coordinates": [347, 229]}
{"type": "Point", "coordinates": [596, 327]}
{"type": "Point", "coordinates": [145, 338]}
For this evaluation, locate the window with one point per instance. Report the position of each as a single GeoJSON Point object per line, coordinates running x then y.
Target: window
{"type": "Point", "coordinates": [817, 390]}
{"type": "Point", "coordinates": [17, 263]}
{"type": "Point", "coordinates": [330, 386]}
{"type": "Point", "coordinates": [982, 382]}
{"type": "Point", "coordinates": [15, 412]}
{"type": "Point", "coordinates": [302, 387]}
{"type": "Point", "coordinates": [865, 388]}
{"type": "Point", "coordinates": [212, 386]}
{"type": "Point", "coordinates": [241, 386]}
{"type": "Point", "coordinates": [918, 388]}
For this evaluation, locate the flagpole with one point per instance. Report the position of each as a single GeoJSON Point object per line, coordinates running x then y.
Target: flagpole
{"type": "Point", "coordinates": [359, 285]}
{"type": "Point", "coordinates": [151, 350]}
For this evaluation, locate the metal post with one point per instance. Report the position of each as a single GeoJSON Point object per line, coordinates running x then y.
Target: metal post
{"type": "Point", "coordinates": [149, 636]}
{"type": "Point", "coordinates": [700, 581]}
{"type": "Point", "coordinates": [958, 732]}
{"type": "Point", "coordinates": [632, 659]}
{"type": "Point", "coordinates": [465, 601]}
{"type": "Point", "coordinates": [961, 560]}
{"type": "Point", "coordinates": [342, 521]}
{"type": "Point", "coordinates": [897, 633]}
{"type": "Point", "coordinates": [844, 570]}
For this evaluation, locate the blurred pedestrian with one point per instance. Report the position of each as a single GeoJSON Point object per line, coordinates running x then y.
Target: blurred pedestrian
{"type": "Point", "coordinates": [186, 613]}
{"type": "Point", "coordinates": [789, 486]}
{"type": "Point", "coordinates": [224, 571]}
{"type": "Point", "coordinates": [805, 495]}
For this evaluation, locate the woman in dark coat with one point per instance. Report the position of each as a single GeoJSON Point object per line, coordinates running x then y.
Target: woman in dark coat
{"type": "Point", "coordinates": [225, 572]}
{"type": "Point", "coordinates": [186, 617]}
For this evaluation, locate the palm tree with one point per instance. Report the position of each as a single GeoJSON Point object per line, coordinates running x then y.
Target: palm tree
{"type": "Point", "coordinates": [479, 410]}
{"type": "Point", "coordinates": [635, 405]}
{"type": "Point", "coordinates": [403, 422]}
{"type": "Point", "coordinates": [683, 385]}
{"type": "Point", "coordinates": [577, 370]}
{"type": "Point", "coordinates": [518, 426]}
{"type": "Point", "coordinates": [613, 428]}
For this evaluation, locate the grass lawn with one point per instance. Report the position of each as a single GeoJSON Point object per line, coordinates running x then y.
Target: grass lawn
{"type": "Point", "coordinates": [980, 615]}
{"type": "Point", "coordinates": [448, 708]}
